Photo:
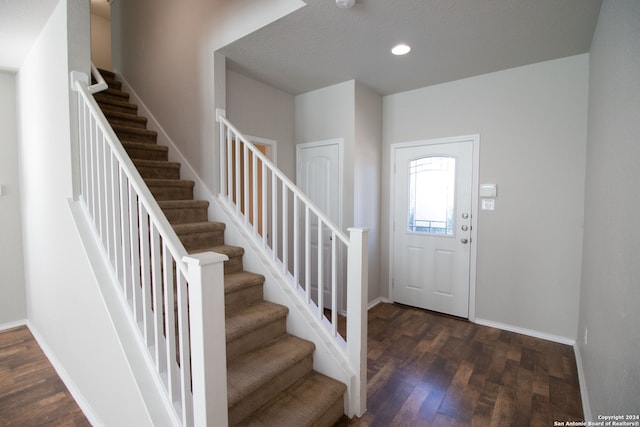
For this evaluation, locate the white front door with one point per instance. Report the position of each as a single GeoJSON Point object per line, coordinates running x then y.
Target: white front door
{"type": "Point", "coordinates": [432, 202]}
{"type": "Point", "coordinates": [319, 177]}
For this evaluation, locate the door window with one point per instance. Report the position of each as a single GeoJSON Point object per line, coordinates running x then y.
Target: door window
{"type": "Point", "coordinates": [431, 195]}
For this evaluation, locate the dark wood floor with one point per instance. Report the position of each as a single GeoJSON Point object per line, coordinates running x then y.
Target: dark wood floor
{"type": "Point", "coordinates": [31, 393]}
{"type": "Point", "coordinates": [426, 369]}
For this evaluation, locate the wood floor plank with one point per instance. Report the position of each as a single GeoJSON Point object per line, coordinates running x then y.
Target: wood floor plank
{"type": "Point", "coordinates": [427, 369]}
{"type": "Point", "coordinates": [31, 393]}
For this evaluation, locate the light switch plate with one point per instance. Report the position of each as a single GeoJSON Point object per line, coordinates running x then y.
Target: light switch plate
{"type": "Point", "coordinates": [488, 204]}
{"type": "Point", "coordinates": [488, 190]}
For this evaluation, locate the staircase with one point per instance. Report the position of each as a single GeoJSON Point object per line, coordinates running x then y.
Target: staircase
{"type": "Point", "coordinates": [270, 376]}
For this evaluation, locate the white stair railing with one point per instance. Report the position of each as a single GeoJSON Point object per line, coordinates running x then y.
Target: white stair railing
{"type": "Point", "coordinates": [157, 278]}
{"type": "Point", "coordinates": [308, 250]}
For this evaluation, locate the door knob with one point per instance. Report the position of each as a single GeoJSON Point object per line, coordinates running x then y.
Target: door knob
{"type": "Point", "coordinates": [465, 215]}
{"type": "Point", "coordinates": [464, 241]}
{"type": "Point", "coordinates": [464, 228]}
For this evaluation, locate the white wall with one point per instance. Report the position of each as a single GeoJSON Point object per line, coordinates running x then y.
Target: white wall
{"type": "Point", "coordinates": [610, 289]}
{"type": "Point", "coordinates": [13, 297]}
{"type": "Point", "coordinates": [101, 41]}
{"type": "Point", "coordinates": [64, 305]}
{"type": "Point", "coordinates": [532, 126]}
{"type": "Point", "coordinates": [260, 110]}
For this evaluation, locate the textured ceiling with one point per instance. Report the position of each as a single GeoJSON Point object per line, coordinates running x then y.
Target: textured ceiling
{"type": "Point", "coordinates": [321, 44]}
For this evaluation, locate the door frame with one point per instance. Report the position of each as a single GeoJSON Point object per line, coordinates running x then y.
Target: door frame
{"type": "Point", "coordinates": [271, 144]}
{"type": "Point", "coordinates": [475, 139]}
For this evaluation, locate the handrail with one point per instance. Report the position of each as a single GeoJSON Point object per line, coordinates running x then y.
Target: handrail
{"type": "Point", "coordinates": [100, 84]}
{"type": "Point", "coordinates": [220, 117]}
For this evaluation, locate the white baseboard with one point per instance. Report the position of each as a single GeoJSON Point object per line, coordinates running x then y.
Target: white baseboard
{"type": "Point", "coordinates": [66, 379]}
{"type": "Point", "coordinates": [378, 301]}
{"type": "Point", "coordinates": [525, 331]}
{"type": "Point", "coordinates": [12, 325]}
{"type": "Point", "coordinates": [586, 406]}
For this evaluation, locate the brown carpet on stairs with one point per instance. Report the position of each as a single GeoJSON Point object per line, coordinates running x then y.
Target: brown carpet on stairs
{"type": "Point", "coordinates": [269, 377]}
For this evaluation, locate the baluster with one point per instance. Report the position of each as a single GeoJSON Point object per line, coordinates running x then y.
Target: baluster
{"type": "Point", "coordinates": [254, 192]}
{"type": "Point", "coordinates": [296, 242]}
{"type": "Point", "coordinates": [245, 182]}
{"type": "Point", "coordinates": [285, 229]}
{"type": "Point", "coordinates": [136, 272]}
{"type": "Point", "coordinates": [185, 350]}
{"type": "Point", "coordinates": [334, 285]}
{"type": "Point", "coordinates": [237, 183]}
{"type": "Point", "coordinates": [170, 321]}
{"type": "Point", "coordinates": [145, 267]}
{"type": "Point", "coordinates": [307, 253]}
{"type": "Point", "coordinates": [320, 270]}
{"type": "Point", "coordinates": [274, 215]}
{"type": "Point", "coordinates": [229, 142]}
{"type": "Point", "coordinates": [127, 280]}
{"type": "Point", "coordinates": [265, 208]}
{"type": "Point", "coordinates": [223, 159]}
{"type": "Point", "coordinates": [157, 297]}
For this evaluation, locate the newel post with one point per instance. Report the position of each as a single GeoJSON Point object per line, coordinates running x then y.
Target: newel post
{"type": "Point", "coordinates": [208, 342]}
{"type": "Point", "coordinates": [357, 303]}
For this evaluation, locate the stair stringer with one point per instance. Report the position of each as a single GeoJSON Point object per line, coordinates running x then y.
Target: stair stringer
{"type": "Point", "coordinates": [158, 407]}
{"type": "Point", "coordinates": [329, 358]}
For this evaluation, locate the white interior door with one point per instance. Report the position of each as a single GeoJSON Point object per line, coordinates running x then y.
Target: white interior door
{"type": "Point", "coordinates": [319, 177]}
{"type": "Point", "coordinates": [432, 201]}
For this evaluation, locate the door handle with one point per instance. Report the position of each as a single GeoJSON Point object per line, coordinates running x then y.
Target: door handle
{"type": "Point", "coordinates": [464, 241]}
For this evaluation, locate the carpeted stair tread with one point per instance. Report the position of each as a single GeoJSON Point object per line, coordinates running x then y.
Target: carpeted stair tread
{"type": "Point", "coordinates": [303, 404]}
{"type": "Point", "coordinates": [116, 94]}
{"type": "Point", "coordinates": [251, 371]}
{"type": "Point", "coordinates": [197, 235]}
{"type": "Point", "coordinates": [126, 119]}
{"type": "Point", "coordinates": [107, 73]}
{"type": "Point", "coordinates": [135, 134]}
{"type": "Point", "coordinates": [146, 151]}
{"type": "Point", "coordinates": [249, 318]}
{"type": "Point", "coordinates": [185, 211]}
{"type": "Point", "coordinates": [235, 282]}
{"type": "Point", "coordinates": [175, 204]}
{"type": "Point", "coordinates": [241, 289]}
{"type": "Point", "coordinates": [157, 168]}
{"type": "Point", "coordinates": [230, 251]}
{"type": "Point", "coordinates": [171, 189]}
{"type": "Point", "coordinates": [198, 227]}
{"type": "Point", "coordinates": [110, 104]}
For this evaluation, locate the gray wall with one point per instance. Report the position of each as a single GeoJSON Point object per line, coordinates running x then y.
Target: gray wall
{"type": "Point", "coordinates": [260, 110]}
{"type": "Point", "coordinates": [165, 51]}
{"type": "Point", "coordinates": [352, 112]}
{"type": "Point", "coordinates": [532, 126]}
{"type": "Point", "coordinates": [610, 291]}
{"type": "Point", "coordinates": [13, 297]}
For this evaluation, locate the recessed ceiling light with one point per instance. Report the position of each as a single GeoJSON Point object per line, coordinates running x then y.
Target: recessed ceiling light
{"type": "Point", "coordinates": [401, 49]}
